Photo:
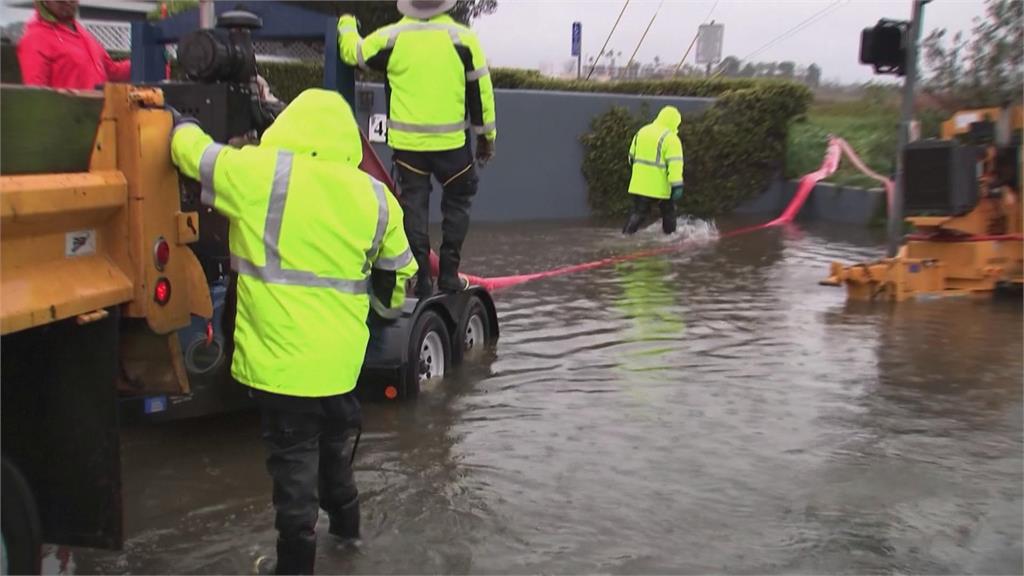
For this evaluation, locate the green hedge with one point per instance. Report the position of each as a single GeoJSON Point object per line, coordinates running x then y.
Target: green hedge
{"type": "Point", "coordinates": [288, 80]}
{"type": "Point", "coordinates": [732, 150]}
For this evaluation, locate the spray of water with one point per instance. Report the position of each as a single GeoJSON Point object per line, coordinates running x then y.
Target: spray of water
{"type": "Point", "coordinates": [688, 229]}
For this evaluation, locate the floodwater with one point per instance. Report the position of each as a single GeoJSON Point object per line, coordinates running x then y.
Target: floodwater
{"type": "Point", "coordinates": [714, 410]}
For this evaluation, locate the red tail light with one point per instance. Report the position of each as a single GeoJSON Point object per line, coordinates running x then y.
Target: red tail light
{"type": "Point", "coordinates": [162, 291]}
{"type": "Point", "coordinates": [161, 253]}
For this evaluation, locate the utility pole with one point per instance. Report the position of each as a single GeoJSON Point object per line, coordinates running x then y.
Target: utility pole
{"type": "Point", "coordinates": [906, 118]}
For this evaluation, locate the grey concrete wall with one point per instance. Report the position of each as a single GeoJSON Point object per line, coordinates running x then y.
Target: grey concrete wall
{"type": "Point", "coordinates": [827, 202]}
{"type": "Point", "coordinates": [536, 170]}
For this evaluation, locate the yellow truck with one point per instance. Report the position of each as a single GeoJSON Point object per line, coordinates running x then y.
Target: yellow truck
{"type": "Point", "coordinates": [96, 278]}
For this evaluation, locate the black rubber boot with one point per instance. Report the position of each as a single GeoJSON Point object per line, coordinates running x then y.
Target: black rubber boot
{"type": "Point", "coordinates": [345, 522]}
{"type": "Point", "coordinates": [641, 206]}
{"type": "Point", "coordinates": [449, 280]}
{"type": "Point", "coordinates": [456, 200]}
{"type": "Point", "coordinates": [668, 216]}
{"type": "Point", "coordinates": [296, 556]}
{"type": "Point", "coordinates": [633, 224]}
{"type": "Point", "coordinates": [424, 287]}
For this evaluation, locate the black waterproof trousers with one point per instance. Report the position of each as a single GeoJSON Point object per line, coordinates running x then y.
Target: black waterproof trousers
{"type": "Point", "coordinates": [642, 206]}
{"type": "Point", "coordinates": [309, 444]}
{"type": "Point", "coordinates": [454, 170]}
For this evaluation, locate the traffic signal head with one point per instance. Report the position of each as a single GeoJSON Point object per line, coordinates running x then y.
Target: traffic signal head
{"type": "Point", "coordinates": [885, 46]}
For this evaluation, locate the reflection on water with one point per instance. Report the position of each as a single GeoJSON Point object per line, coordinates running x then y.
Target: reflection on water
{"type": "Point", "coordinates": [712, 410]}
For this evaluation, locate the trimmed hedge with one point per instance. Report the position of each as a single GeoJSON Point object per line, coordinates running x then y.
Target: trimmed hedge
{"type": "Point", "coordinates": [732, 150]}
{"type": "Point", "coordinates": [289, 79]}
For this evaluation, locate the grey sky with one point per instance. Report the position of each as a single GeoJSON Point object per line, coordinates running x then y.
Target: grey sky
{"type": "Point", "coordinates": [526, 33]}
{"type": "Point", "coordinates": [530, 33]}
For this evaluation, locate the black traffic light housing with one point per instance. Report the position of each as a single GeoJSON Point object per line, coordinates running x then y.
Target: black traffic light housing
{"type": "Point", "coordinates": [885, 46]}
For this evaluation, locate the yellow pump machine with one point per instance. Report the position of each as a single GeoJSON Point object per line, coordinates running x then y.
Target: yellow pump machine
{"type": "Point", "coordinates": [963, 196]}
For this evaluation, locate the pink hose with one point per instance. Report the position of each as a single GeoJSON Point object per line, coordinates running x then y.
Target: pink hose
{"type": "Point", "coordinates": [836, 146]}
{"type": "Point", "coordinates": [828, 166]}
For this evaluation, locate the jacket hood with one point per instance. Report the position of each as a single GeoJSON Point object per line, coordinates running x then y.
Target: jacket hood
{"type": "Point", "coordinates": [669, 117]}
{"type": "Point", "coordinates": [42, 12]}
{"type": "Point", "coordinates": [318, 123]}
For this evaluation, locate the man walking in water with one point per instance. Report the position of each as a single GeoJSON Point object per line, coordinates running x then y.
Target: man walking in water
{"type": "Point", "coordinates": [656, 156]}
{"type": "Point", "coordinates": [436, 76]}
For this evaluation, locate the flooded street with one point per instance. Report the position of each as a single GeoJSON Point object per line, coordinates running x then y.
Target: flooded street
{"type": "Point", "coordinates": [713, 410]}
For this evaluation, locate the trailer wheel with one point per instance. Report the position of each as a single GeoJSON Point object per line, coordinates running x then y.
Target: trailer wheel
{"type": "Point", "coordinates": [22, 536]}
{"type": "Point", "coordinates": [430, 352]}
{"type": "Point", "coordinates": [474, 334]}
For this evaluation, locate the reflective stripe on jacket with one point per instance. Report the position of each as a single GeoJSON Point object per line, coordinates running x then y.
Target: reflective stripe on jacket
{"type": "Point", "coordinates": [437, 76]}
{"type": "Point", "coordinates": [307, 226]}
{"type": "Point", "coordinates": [656, 155]}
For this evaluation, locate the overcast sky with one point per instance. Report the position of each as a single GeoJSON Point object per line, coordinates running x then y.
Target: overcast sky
{"type": "Point", "coordinates": [534, 33]}
{"type": "Point", "coordinates": [527, 33]}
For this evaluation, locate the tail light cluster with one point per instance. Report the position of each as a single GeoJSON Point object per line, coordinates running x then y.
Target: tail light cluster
{"type": "Point", "coordinates": [161, 255]}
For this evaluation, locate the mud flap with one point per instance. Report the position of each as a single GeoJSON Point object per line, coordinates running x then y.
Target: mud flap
{"type": "Point", "coordinates": [150, 363]}
{"type": "Point", "coordinates": [60, 426]}
{"type": "Point", "coordinates": [199, 302]}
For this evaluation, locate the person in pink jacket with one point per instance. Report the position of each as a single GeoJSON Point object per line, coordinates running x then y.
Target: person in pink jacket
{"type": "Point", "coordinates": [57, 51]}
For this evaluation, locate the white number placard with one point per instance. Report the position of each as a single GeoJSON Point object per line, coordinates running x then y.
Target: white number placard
{"type": "Point", "coordinates": [378, 131]}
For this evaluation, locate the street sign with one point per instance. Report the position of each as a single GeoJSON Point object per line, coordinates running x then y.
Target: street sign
{"type": "Point", "coordinates": [709, 43]}
{"type": "Point", "coordinates": [577, 37]}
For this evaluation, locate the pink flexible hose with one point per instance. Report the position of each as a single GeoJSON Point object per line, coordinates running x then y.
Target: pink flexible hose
{"type": "Point", "coordinates": [836, 146]}
{"type": "Point", "coordinates": [829, 165]}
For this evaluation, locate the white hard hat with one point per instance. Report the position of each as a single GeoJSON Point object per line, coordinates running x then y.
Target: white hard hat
{"type": "Point", "coordinates": [424, 9]}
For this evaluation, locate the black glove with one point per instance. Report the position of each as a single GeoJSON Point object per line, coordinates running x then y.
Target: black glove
{"type": "Point", "coordinates": [177, 118]}
{"type": "Point", "coordinates": [484, 150]}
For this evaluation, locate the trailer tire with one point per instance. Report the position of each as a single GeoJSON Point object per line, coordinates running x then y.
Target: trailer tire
{"type": "Point", "coordinates": [430, 354]}
{"type": "Point", "coordinates": [22, 535]}
{"type": "Point", "coordinates": [474, 333]}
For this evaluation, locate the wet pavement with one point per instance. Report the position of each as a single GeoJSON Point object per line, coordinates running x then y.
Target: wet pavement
{"type": "Point", "coordinates": [709, 411]}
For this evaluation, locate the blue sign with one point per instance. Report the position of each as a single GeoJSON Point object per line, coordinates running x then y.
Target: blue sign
{"type": "Point", "coordinates": [155, 404]}
{"type": "Point", "coordinates": [577, 37]}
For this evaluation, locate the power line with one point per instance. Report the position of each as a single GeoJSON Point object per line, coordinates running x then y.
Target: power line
{"type": "Point", "coordinates": [797, 28]}
{"type": "Point", "coordinates": [790, 32]}
{"type": "Point", "coordinates": [648, 29]}
{"type": "Point", "coordinates": [614, 26]}
{"type": "Point", "coordinates": [683, 59]}
{"type": "Point", "coordinates": [695, 36]}
{"type": "Point", "coordinates": [712, 11]}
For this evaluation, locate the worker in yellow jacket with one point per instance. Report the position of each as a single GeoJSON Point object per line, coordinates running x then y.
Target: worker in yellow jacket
{"type": "Point", "coordinates": [314, 241]}
{"type": "Point", "coordinates": [438, 87]}
{"type": "Point", "coordinates": [656, 156]}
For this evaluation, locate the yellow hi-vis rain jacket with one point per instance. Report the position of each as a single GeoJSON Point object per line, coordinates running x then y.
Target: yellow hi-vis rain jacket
{"type": "Point", "coordinates": [436, 73]}
{"type": "Point", "coordinates": [306, 227]}
{"type": "Point", "coordinates": [656, 155]}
